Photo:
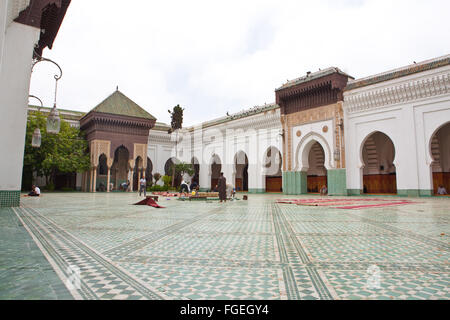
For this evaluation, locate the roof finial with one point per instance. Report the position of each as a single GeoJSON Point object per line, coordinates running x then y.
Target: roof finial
{"type": "Point", "coordinates": [117, 88]}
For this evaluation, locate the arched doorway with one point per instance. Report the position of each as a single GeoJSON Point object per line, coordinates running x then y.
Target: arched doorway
{"type": "Point", "coordinates": [241, 171]}
{"type": "Point", "coordinates": [196, 166]}
{"type": "Point", "coordinates": [137, 172]}
{"type": "Point", "coordinates": [317, 173]}
{"type": "Point", "coordinates": [216, 168]}
{"type": "Point", "coordinates": [440, 152]}
{"type": "Point", "coordinates": [149, 171]}
{"type": "Point", "coordinates": [272, 169]}
{"type": "Point", "coordinates": [102, 174]}
{"type": "Point", "coordinates": [168, 170]}
{"type": "Point", "coordinates": [379, 173]}
{"type": "Point", "coordinates": [119, 169]}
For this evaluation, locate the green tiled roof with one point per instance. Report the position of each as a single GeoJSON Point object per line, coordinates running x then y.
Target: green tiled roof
{"type": "Point", "coordinates": [120, 104]}
{"type": "Point", "coordinates": [160, 126]}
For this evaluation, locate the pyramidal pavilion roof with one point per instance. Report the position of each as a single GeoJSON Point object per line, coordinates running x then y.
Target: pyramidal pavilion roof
{"type": "Point", "coordinates": [119, 104]}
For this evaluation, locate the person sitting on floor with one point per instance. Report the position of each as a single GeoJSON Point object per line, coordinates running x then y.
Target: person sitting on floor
{"type": "Point", "coordinates": [441, 190]}
{"type": "Point", "coordinates": [35, 191]}
{"type": "Point", "coordinates": [184, 187]}
{"type": "Point", "coordinates": [124, 186]}
{"type": "Point", "coordinates": [194, 185]}
{"type": "Point", "coordinates": [324, 190]}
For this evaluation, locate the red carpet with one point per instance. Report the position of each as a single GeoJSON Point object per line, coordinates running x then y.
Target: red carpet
{"type": "Point", "coordinates": [346, 203]}
{"type": "Point", "coordinates": [148, 202]}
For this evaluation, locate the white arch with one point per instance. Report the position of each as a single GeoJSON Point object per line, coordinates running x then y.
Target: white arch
{"type": "Point", "coordinates": [212, 160]}
{"type": "Point", "coordinates": [361, 159]}
{"type": "Point", "coordinates": [362, 141]}
{"type": "Point", "coordinates": [265, 158]}
{"type": "Point", "coordinates": [430, 159]}
{"type": "Point", "coordinates": [304, 147]}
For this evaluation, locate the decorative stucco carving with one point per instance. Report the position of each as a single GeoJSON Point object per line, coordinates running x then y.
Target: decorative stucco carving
{"type": "Point", "coordinates": [408, 91]}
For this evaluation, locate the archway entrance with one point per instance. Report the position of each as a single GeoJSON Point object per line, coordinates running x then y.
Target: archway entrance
{"type": "Point", "coordinates": [317, 173]}
{"type": "Point", "coordinates": [272, 169]}
{"type": "Point", "coordinates": [168, 170]}
{"type": "Point", "coordinates": [440, 152]}
{"type": "Point", "coordinates": [149, 171]}
{"type": "Point", "coordinates": [196, 166]}
{"type": "Point", "coordinates": [102, 174]}
{"type": "Point", "coordinates": [216, 167]}
{"type": "Point", "coordinates": [241, 171]}
{"type": "Point", "coordinates": [379, 174]}
{"type": "Point", "coordinates": [137, 172]}
{"type": "Point", "coordinates": [119, 169]}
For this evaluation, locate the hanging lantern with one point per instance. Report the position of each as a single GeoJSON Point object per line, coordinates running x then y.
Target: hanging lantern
{"type": "Point", "coordinates": [36, 139]}
{"type": "Point", "coordinates": [53, 121]}
{"type": "Point", "coordinates": [337, 155]}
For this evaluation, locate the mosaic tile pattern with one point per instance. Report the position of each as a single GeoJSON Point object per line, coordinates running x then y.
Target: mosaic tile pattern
{"type": "Point", "coordinates": [9, 198]}
{"type": "Point", "coordinates": [254, 249]}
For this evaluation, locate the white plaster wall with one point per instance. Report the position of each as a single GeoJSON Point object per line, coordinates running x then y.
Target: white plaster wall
{"type": "Point", "coordinates": [3, 12]}
{"type": "Point", "coordinates": [410, 125]}
{"type": "Point", "coordinates": [15, 73]}
{"type": "Point", "coordinates": [428, 118]}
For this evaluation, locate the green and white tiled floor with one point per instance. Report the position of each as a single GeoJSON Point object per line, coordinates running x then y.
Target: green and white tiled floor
{"type": "Point", "coordinates": [254, 249]}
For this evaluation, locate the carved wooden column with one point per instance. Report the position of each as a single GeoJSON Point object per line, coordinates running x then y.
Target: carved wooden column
{"type": "Point", "coordinates": [91, 178]}
{"type": "Point", "coordinates": [131, 180]}
{"type": "Point", "coordinates": [108, 180]}
{"type": "Point", "coordinates": [109, 164]}
{"type": "Point", "coordinates": [95, 180]}
{"type": "Point", "coordinates": [131, 165]}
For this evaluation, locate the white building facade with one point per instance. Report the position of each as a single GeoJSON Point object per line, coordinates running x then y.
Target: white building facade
{"type": "Point", "coordinates": [244, 146]}
{"type": "Point", "coordinates": [397, 130]}
{"type": "Point", "coordinates": [385, 134]}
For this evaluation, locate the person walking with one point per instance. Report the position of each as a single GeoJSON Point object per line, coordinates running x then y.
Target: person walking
{"type": "Point", "coordinates": [143, 186]}
{"type": "Point", "coordinates": [222, 188]}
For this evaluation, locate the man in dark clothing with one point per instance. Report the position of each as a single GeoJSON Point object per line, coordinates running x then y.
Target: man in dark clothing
{"type": "Point", "coordinates": [222, 188]}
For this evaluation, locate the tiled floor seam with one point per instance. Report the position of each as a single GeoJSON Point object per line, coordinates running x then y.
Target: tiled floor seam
{"type": "Point", "coordinates": [319, 284]}
{"type": "Point", "coordinates": [54, 259]}
{"type": "Point", "coordinates": [97, 257]}
{"type": "Point", "coordinates": [139, 243]}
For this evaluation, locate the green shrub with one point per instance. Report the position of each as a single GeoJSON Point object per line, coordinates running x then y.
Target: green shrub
{"type": "Point", "coordinates": [157, 188]}
{"type": "Point", "coordinates": [50, 187]}
{"type": "Point", "coordinates": [66, 189]}
{"type": "Point", "coordinates": [167, 180]}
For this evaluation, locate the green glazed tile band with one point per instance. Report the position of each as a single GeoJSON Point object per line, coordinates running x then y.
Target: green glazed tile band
{"type": "Point", "coordinates": [9, 199]}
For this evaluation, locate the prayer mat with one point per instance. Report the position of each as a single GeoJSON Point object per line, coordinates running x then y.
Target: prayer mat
{"type": "Point", "coordinates": [148, 202]}
{"type": "Point", "coordinates": [346, 203]}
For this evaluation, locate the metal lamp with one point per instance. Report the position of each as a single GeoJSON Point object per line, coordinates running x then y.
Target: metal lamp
{"type": "Point", "coordinates": [337, 155]}
{"type": "Point", "coordinates": [36, 138]}
{"type": "Point", "coordinates": [53, 121]}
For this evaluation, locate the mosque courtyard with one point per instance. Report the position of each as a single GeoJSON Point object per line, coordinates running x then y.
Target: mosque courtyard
{"type": "Point", "coordinates": [255, 249]}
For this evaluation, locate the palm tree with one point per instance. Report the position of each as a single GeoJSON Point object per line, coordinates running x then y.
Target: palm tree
{"type": "Point", "coordinates": [176, 123]}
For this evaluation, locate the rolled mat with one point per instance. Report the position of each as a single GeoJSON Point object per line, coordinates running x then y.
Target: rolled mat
{"type": "Point", "coordinates": [149, 202]}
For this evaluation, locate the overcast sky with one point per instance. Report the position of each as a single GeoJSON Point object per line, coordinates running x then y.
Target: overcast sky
{"type": "Point", "coordinates": [217, 56]}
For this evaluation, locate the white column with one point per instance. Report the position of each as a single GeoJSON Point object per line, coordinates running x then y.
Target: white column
{"type": "Point", "coordinates": [109, 180]}
{"type": "Point", "coordinates": [15, 72]}
{"type": "Point", "coordinates": [131, 180]}
{"type": "Point", "coordinates": [205, 179]}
